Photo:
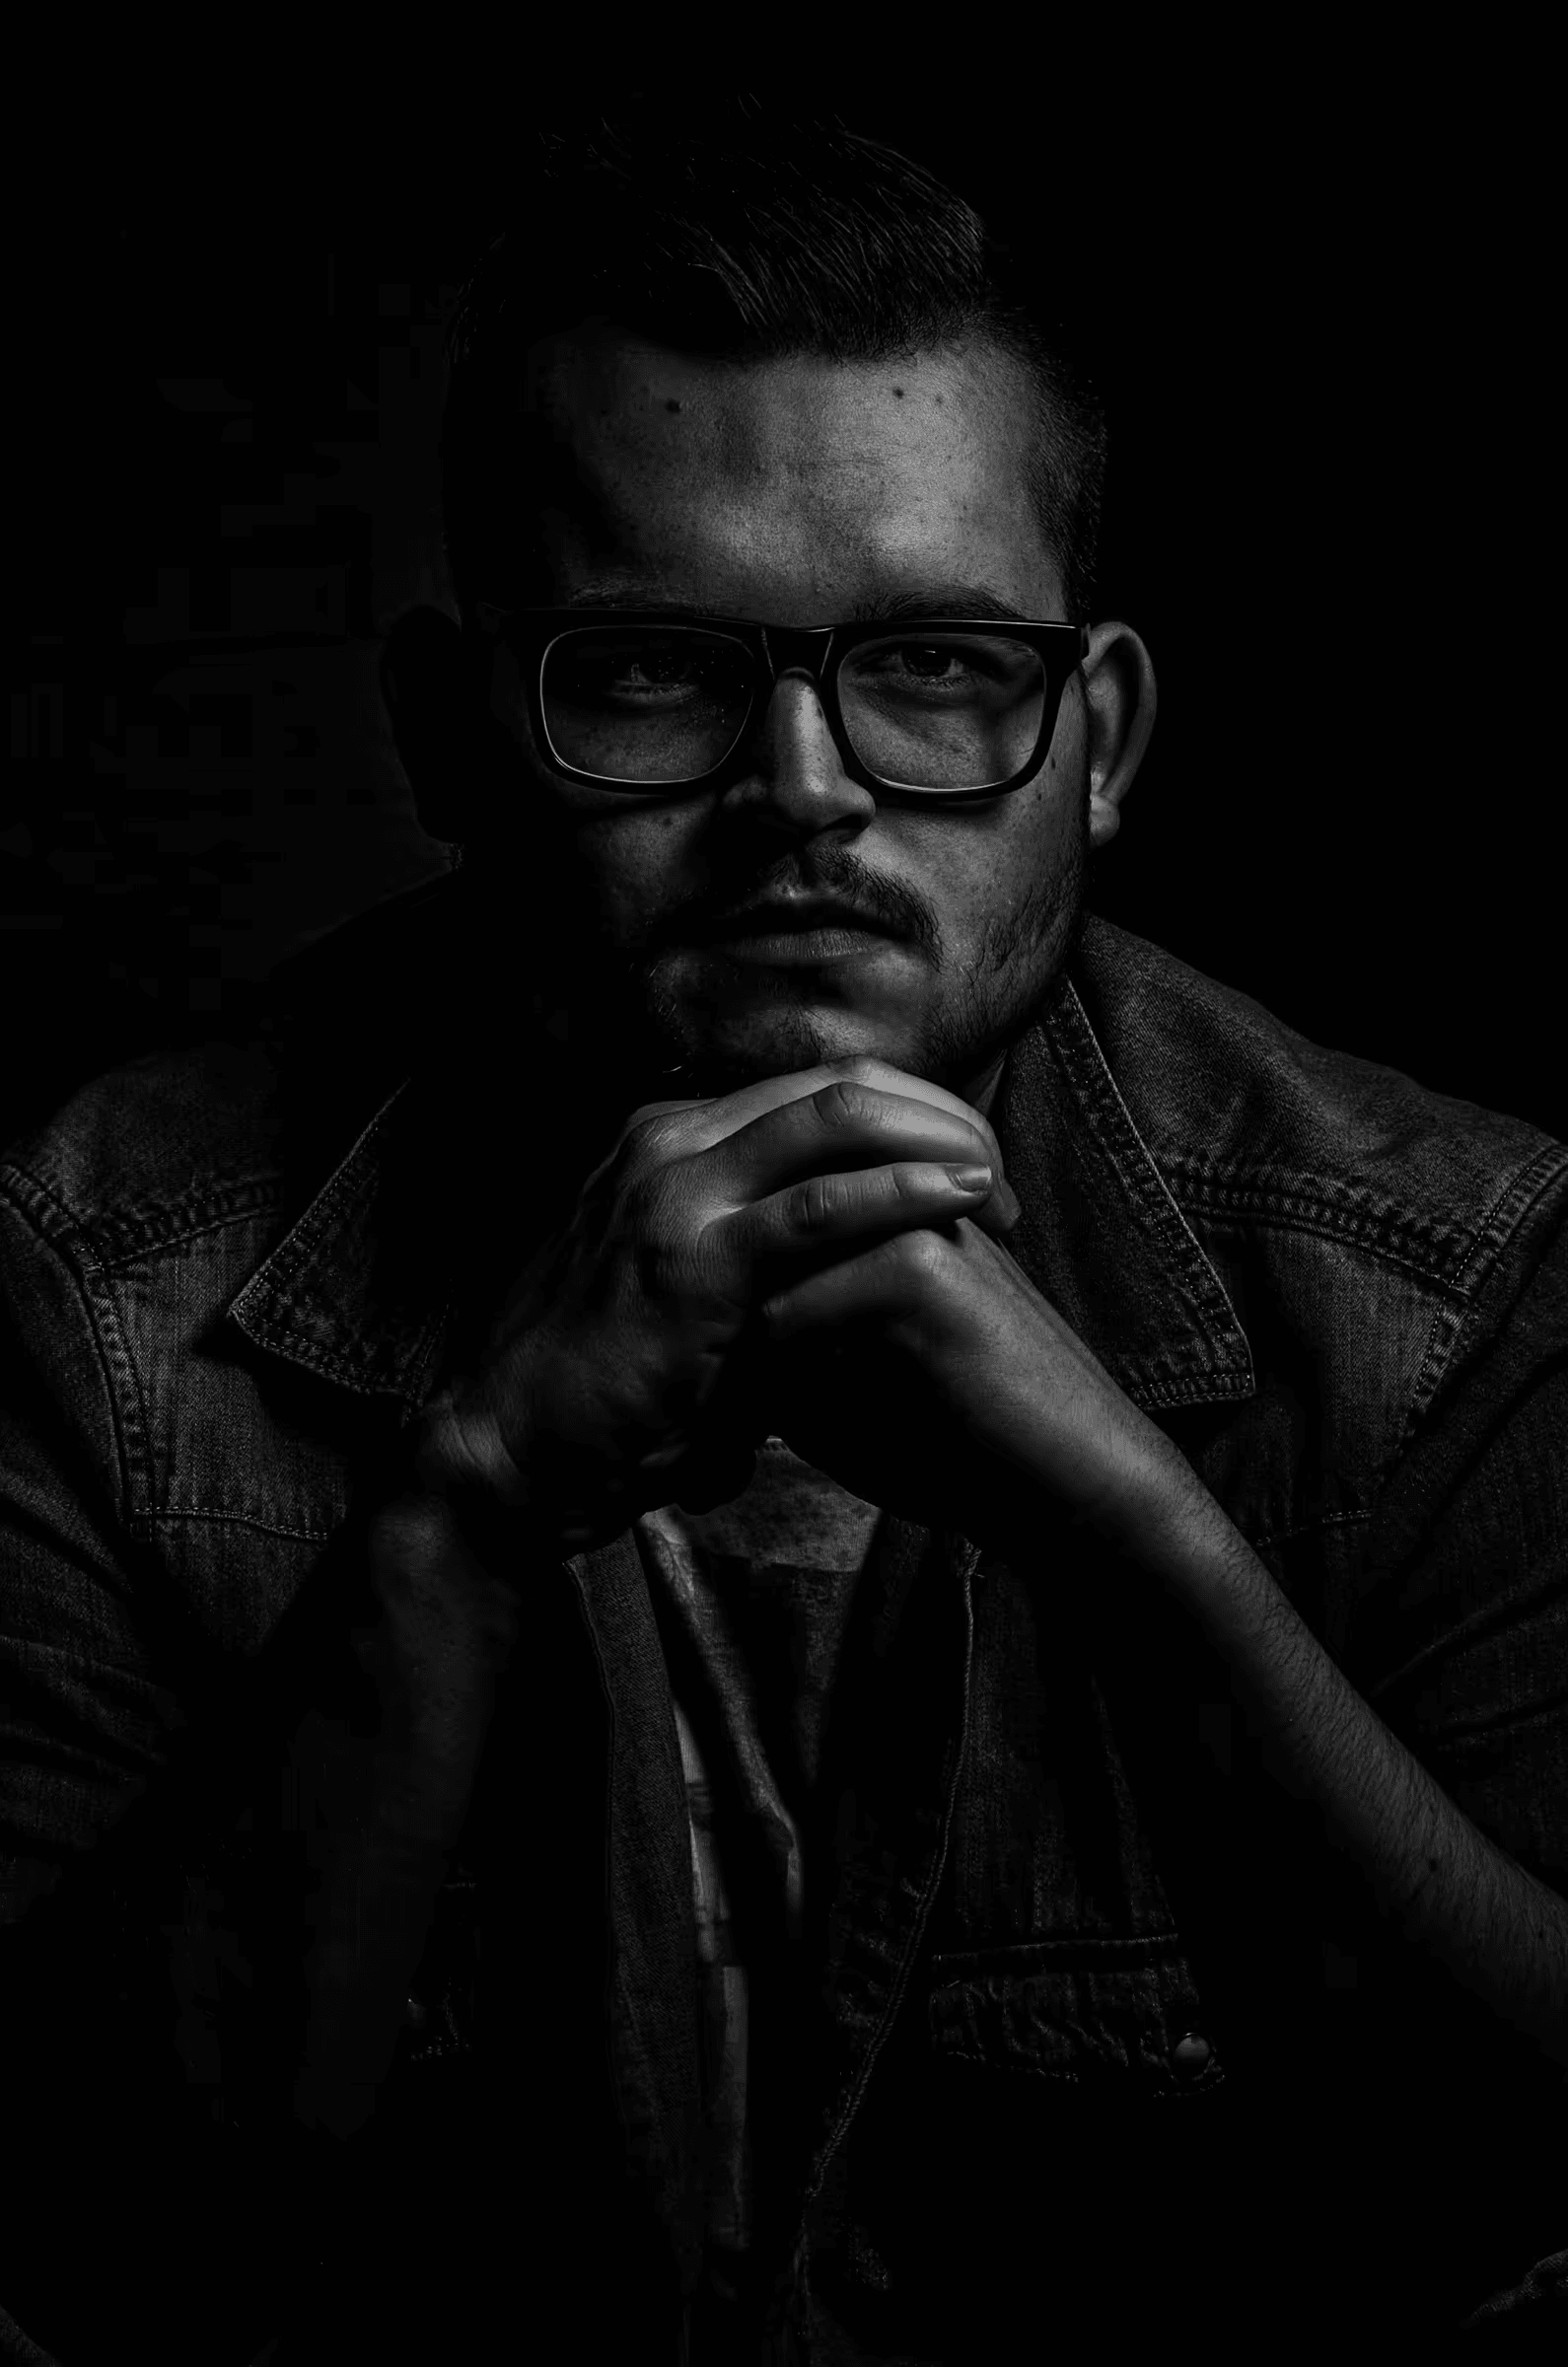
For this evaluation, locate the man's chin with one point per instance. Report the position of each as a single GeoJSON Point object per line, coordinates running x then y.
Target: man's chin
{"type": "Point", "coordinates": [706, 1060]}
{"type": "Point", "coordinates": [719, 1032]}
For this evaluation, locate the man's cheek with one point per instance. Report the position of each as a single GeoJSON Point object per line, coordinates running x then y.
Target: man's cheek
{"type": "Point", "coordinates": [645, 885]}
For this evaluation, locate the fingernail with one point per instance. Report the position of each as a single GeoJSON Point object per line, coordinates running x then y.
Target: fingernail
{"type": "Point", "coordinates": [971, 1178]}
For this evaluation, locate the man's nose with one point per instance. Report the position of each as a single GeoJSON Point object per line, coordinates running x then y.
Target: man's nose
{"type": "Point", "coordinates": [793, 777]}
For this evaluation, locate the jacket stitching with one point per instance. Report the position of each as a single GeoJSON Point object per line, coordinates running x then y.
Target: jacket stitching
{"type": "Point", "coordinates": [1494, 1230]}
{"type": "Point", "coordinates": [301, 1243]}
{"type": "Point", "coordinates": [1157, 2080]}
{"type": "Point", "coordinates": [1326, 1519]}
{"type": "Point", "coordinates": [239, 1519]}
{"type": "Point", "coordinates": [1326, 1224]}
{"type": "Point", "coordinates": [1155, 2071]}
{"type": "Point", "coordinates": [122, 1384]}
{"type": "Point", "coordinates": [1156, 1946]}
{"type": "Point", "coordinates": [155, 1243]}
{"type": "Point", "coordinates": [1414, 1239]}
{"type": "Point", "coordinates": [1407, 1239]}
{"type": "Point", "coordinates": [923, 1914]}
{"type": "Point", "coordinates": [1521, 1193]}
{"type": "Point", "coordinates": [37, 1203]}
{"type": "Point", "coordinates": [334, 1368]}
{"type": "Point", "coordinates": [129, 1398]}
{"type": "Point", "coordinates": [107, 1232]}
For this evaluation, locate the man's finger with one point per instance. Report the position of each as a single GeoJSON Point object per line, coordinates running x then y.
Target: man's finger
{"type": "Point", "coordinates": [729, 1112]}
{"type": "Point", "coordinates": [847, 1125]}
{"type": "Point", "coordinates": [862, 1203]}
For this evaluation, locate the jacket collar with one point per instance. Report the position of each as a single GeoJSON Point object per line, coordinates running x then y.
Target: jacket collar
{"type": "Point", "coordinates": [358, 1291]}
{"type": "Point", "coordinates": [354, 1292]}
{"type": "Point", "coordinates": [1100, 1235]}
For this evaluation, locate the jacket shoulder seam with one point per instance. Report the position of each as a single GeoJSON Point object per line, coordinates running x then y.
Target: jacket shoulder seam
{"type": "Point", "coordinates": [256, 1203]}
{"type": "Point", "coordinates": [1502, 1223]}
{"type": "Point", "coordinates": [1412, 1247]}
{"type": "Point", "coordinates": [92, 1235]}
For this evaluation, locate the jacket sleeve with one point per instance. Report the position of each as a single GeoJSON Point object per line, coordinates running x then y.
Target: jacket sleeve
{"type": "Point", "coordinates": [86, 1710]}
{"type": "Point", "coordinates": [152, 2184]}
{"type": "Point", "coordinates": [1463, 1638]}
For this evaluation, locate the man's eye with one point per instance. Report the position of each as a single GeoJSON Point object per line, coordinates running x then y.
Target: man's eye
{"type": "Point", "coordinates": [644, 674]}
{"type": "Point", "coordinates": [919, 666]}
{"type": "Point", "coordinates": [659, 673]}
{"type": "Point", "coordinates": [967, 665]}
{"type": "Point", "coordinates": [926, 661]}
{"type": "Point", "coordinates": [651, 673]}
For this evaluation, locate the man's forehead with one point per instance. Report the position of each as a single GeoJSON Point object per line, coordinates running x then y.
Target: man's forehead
{"type": "Point", "coordinates": [597, 378]}
{"type": "Point", "coordinates": [859, 474]}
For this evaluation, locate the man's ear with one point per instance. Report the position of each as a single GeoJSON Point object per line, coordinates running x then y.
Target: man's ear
{"type": "Point", "coordinates": [422, 676]}
{"type": "Point", "coordinates": [1120, 698]}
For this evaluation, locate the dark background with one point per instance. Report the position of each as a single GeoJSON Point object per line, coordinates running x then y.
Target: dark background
{"type": "Point", "coordinates": [1322, 335]}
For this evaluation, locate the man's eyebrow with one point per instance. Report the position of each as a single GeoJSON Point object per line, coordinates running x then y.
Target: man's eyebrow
{"type": "Point", "coordinates": [932, 600]}
{"type": "Point", "coordinates": [940, 599]}
{"type": "Point", "coordinates": [635, 595]}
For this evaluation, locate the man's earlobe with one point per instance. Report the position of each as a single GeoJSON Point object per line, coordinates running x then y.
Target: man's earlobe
{"type": "Point", "coordinates": [1105, 820]}
{"type": "Point", "coordinates": [422, 686]}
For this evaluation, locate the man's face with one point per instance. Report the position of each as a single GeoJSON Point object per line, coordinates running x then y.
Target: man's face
{"type": "Point", "coordinates": [797, 492]}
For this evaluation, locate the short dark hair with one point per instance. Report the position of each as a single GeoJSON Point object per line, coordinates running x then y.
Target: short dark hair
{"type": "Point", "coordinates": [758, 234]}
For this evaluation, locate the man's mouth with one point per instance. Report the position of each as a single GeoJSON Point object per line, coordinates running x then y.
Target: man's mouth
{"type": "Point", "coordinates": [798, 929]}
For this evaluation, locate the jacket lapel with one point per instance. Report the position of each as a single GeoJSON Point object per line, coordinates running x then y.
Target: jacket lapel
{"type": "Point", "coordinates": [1100, 1235]}
{"type": "Point", "coordinates": [893, 1754]}
{"type": "Point", "coordinates": [652, 1986]}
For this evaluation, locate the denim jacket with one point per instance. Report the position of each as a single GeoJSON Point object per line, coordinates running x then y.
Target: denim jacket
{"type": "Point", "coordinates": [1092, 2033]}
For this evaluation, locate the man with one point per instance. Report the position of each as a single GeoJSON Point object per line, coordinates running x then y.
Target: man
{"type": "Point", "coordinates": [827, 1611]}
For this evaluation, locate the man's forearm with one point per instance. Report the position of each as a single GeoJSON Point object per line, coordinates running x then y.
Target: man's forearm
{"type": "Point", "coordinates": [1498, 1930]}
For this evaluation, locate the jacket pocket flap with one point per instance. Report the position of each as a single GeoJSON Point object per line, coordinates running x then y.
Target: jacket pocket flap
{"type": "Point", "coordinates": [1101, 2010]}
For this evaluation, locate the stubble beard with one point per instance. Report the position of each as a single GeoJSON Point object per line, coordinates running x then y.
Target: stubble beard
{"type": "Point", "coordinates": [647, 1023]}
{"type": "Point", "coordinates": [1021, 955]}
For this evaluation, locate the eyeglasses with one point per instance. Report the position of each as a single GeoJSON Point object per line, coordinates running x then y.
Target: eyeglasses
{"type": "Point", "coordinates": [646, 701]}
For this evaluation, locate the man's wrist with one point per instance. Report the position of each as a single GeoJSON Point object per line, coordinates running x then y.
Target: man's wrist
{"type": "Point", "coordinates": [537, 1497]}
{"type": "Point", "coordinates": [1159, 1524]}
{"type": "Point", "coordinates": [461, 1458]}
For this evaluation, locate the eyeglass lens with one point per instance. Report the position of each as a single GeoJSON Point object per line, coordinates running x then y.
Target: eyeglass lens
{"type": "Point", "coordinates": [949, 710]}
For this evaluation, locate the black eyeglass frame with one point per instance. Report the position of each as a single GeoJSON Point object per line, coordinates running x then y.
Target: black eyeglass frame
{"type": "Point", "coordinates": [776, 650]}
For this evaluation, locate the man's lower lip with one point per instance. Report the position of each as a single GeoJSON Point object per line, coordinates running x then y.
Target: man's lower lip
{"type": "Point", "coordinates": [802, 945]}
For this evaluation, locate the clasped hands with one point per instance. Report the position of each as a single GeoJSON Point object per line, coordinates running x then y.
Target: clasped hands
{"type": "Point", "coordinates": [818, 1256]}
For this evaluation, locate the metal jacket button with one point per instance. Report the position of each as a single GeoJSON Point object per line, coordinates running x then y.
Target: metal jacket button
{"type": "Point", "coordinates": [1190, 2055]}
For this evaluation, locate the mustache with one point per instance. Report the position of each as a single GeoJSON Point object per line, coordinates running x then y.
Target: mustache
{"type": "Point", "coordinates": [829, 871]}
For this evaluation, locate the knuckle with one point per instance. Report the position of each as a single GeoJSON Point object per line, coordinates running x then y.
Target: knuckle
{"type": "Point", "coordinates": [816, 1201]}
{"type": "Point", "coordinates": [655, 1207]}
{"type": "Point", "coordinates": [921, 1255]}
{"type": "Point", "coordinates": [651, 1136]}
{"type": "Point", "coordinates": [842, 1104]}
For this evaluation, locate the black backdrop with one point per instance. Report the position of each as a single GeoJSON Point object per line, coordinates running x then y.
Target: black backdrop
{"type": "Point", "coordinates": [1323, 337]}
